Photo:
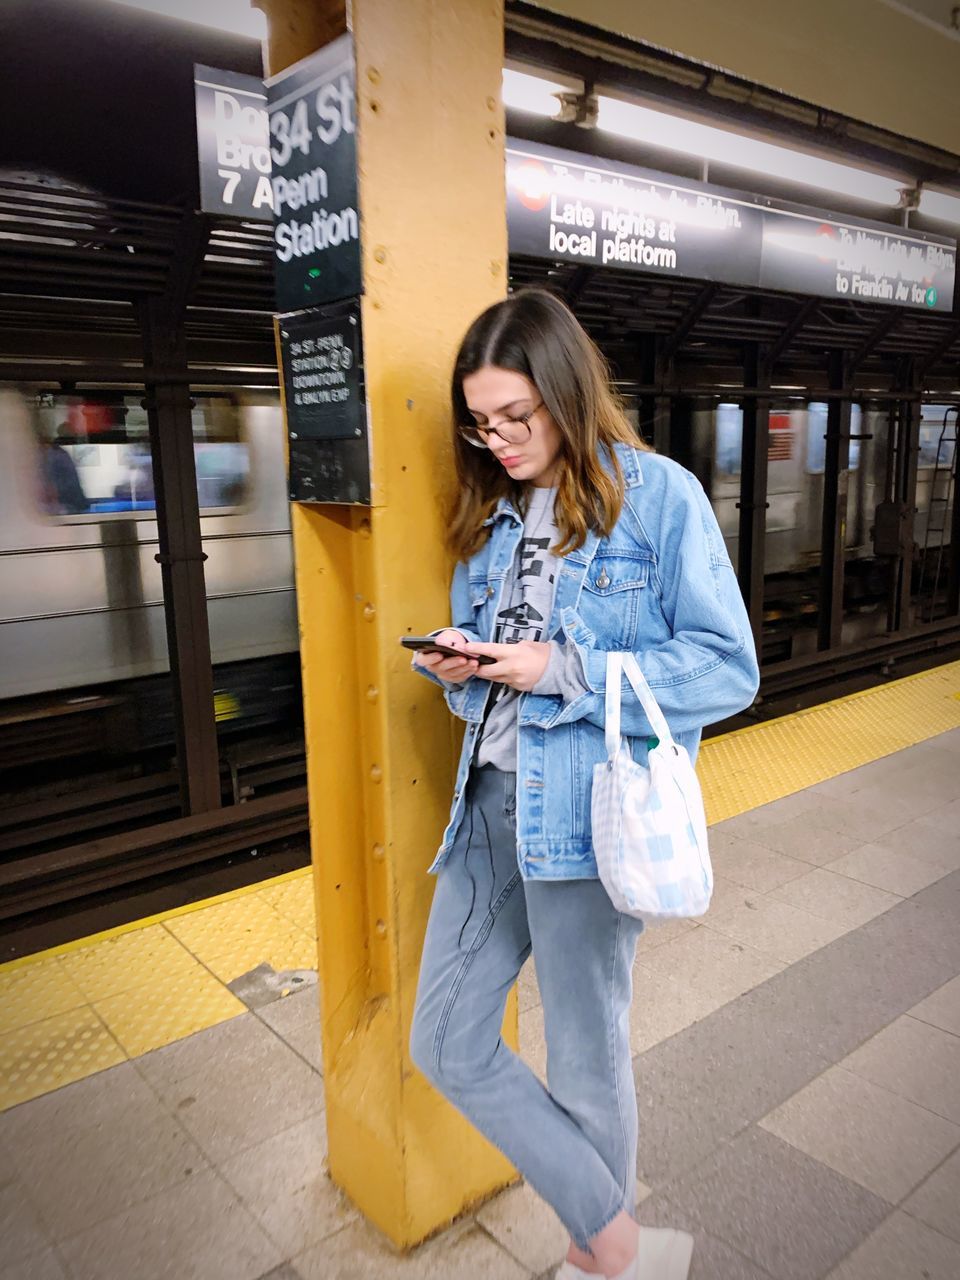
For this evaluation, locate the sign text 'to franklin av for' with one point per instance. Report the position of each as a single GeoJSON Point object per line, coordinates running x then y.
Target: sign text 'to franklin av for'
{"type": "Point", "coordinates": [313, 146]}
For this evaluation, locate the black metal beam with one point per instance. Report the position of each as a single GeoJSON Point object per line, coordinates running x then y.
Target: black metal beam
{"type": "Point", "coordinates": [939, 351]}
{"type": "Point", "coordinates": [882, 329]}
{"type": "Point", "coordinates": [578, 282]}
{"type": "Point", "coordinates": [836, 478]}
{"type": "Point", "coordinates": [905, 480]}
{"type": "Point", "coordinates": [953, 571]}
{"type": "Point", "coordinates": [655, 405]}
{"type": "Point", "coordinates": [688, 321]}
{"type": "Point", "coordinates": [181, 554]}
{"type": "Point", "coordinates": [793, 329]}
{"type": "Point", "coordinates": [751, 565]}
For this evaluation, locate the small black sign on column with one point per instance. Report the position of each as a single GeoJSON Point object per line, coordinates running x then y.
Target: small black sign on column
{"type": "Point", "coordinates": [323, 386]}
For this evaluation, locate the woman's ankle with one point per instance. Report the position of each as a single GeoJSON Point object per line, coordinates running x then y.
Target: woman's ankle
{"type": "Point", "coordinates": [614, 1248]}
{"type": "Point", "coordinates": [584, 1262]}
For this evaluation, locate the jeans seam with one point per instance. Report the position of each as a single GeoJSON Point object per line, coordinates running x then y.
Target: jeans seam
{"type": "Point", "coordinates": [482, 935]}
{"type": "Point", "coordinates": [613, 1054]}
{"type": "Point", "coordinates": [612, 1050]}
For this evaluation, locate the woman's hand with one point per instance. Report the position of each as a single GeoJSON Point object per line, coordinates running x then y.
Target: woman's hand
{"type": "Point", "coordinates": [455, 670]}
{"type": "Point", "coordinates": [519, 665]}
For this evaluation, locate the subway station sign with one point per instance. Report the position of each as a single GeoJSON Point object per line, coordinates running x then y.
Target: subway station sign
{"type": "Point", "coordinates": [566, 206]}
{"type": "Point", "coordinates": [233, 144]}
{"type": "Point", "coordinates": [324, 393]}
{"type": "Point", "coordinates": [313, 147]}
{"type": "Point", "coordinates": [323, 373]}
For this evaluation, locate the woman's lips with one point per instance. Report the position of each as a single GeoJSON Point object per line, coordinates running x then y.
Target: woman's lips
{"type": "Point", "coordinates": [510, 460]}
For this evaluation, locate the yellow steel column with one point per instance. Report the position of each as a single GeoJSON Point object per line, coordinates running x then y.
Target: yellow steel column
{"type": "Point", "coordinates": [381, 747]}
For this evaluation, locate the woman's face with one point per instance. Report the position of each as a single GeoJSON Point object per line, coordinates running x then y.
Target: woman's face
{"type": "Point", "coordinates": [499, 397]}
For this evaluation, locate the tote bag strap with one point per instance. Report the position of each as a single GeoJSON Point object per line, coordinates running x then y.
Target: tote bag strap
{"type": "Point", "coordinates": [612, 705]}
{"type": "Point", "coordinates": [628, 665]}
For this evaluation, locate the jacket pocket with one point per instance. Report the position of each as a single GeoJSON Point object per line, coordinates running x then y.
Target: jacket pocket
{"type": "Point", "coordinates": [612, 595]}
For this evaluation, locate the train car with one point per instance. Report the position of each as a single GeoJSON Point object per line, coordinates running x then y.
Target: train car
{"type": "Point", "coordinates": [81, 600]}
{"type": "Point", "coordinates": [796, 465]}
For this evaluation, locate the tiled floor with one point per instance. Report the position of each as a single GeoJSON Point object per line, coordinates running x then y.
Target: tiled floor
{"type": "Point", "coordinates": [797, 1071]}
{"type": "Point", "coordinates": [98, 1002]}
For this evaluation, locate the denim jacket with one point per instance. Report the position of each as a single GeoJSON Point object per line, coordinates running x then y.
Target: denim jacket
{"type": "Point", "coordinates": [662, 586]}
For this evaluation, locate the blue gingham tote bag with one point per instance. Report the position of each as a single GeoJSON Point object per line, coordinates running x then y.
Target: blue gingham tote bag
{"type": "Point", "coordinates": [649, 827]}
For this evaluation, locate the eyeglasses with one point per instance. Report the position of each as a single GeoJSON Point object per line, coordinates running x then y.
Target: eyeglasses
{"type": "Point", "coordinates": [510, 431]}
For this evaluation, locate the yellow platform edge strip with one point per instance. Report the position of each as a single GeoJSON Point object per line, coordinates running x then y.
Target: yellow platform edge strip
{"type": "Point", "coordinates": [94, 1007]}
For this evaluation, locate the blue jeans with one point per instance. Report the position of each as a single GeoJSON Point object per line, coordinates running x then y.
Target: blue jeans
{"type": "Point", "coordinates": [576, 1141]}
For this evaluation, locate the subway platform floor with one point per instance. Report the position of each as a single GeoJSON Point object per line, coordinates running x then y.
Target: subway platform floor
{"type": "Point", "coordinates": [797, 1061]}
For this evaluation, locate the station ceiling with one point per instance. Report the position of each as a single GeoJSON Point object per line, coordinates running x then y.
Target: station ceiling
{"type": "Point", "coordinates": [104, 95]}
{"type": "Point", "coordinates": [108, 106]}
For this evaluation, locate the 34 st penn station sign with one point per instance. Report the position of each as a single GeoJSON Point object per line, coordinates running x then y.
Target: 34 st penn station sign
{"type": "Point", "coordinates": [313, 147]}
{"type": "Point", "coordinates": [286, 151]}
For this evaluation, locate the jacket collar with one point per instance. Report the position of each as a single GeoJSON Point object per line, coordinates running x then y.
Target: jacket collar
{"type": "Point", "coordinates": [503, 508]}
{"type": "Point", "coordinates": [628, 457]}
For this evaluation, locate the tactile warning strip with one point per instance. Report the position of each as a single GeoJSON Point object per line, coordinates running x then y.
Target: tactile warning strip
{"type": "Point", "coordinates": [77, 1009]}
{"type": "Point", "coordinates": [743, 770]}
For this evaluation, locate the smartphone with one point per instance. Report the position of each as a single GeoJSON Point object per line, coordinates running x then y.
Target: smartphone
{"type": "Point", "coordinates": [426, 644]}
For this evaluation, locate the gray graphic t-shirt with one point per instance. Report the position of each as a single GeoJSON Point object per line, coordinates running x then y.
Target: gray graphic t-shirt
{"type": "Point", "coordinates": [524, 615]}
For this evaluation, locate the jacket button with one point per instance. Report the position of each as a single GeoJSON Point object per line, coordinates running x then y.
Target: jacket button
{"type": "Point", "coordinates": [603, 581]}
{"type": "Point", "coordinates": [490, 591]}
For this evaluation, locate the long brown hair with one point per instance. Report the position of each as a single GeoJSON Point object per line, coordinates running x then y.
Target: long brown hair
{"type": "Point", "coordinates": [535, 334]}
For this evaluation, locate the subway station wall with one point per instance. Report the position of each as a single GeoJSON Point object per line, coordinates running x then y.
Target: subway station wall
{"type": "Point", "coordinates": [860, 57]}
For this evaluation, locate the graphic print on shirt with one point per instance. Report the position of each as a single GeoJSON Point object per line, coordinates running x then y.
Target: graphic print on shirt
{"type": "Point", "coordinates": [521, 619]}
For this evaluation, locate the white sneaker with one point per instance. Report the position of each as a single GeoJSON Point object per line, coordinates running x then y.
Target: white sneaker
{"type": "Point", "coordinates": [663, 1254]}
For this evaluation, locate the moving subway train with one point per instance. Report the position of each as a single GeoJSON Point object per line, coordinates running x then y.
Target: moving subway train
{"type": "Point", "coordinates": [81, 603]}
{"type": "Point", "coordinates": [796, 464]}
{"type": "Point", "coordinates": [81, 609]}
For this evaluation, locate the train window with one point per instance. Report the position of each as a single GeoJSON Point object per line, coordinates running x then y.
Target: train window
{"type": "Point", "coordinates": [94, 454]}
{"type": "Point", "coordinates": [817, 437]}
{"type": "Point", "coordinates": [938, 435]}
{"type": "Point", "coordinates": [729, 439]}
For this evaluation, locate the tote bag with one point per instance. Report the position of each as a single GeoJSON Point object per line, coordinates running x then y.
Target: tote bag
{"type": "Point", "coordinates": [649, 827]}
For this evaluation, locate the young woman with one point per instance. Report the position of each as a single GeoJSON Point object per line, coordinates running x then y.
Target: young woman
{"type": "Point", "coordinates": [572, 540]}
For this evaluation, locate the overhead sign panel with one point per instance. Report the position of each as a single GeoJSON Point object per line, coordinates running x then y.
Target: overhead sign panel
{"type": "Point", "coordinates": [565, 206]}
{"type": "Point", "coordinates": [315, 202]}
{"type": "Point", "coordinates": [866, 263]}
{"type": "Point", "coordinates": [233, 144]}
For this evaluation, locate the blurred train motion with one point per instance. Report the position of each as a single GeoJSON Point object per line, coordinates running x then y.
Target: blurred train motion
{"type": "Point", "coordinates": [83, 650]}
{"type": "Point", "coordinates": [81, 606]}
{"type": "Point", "coordinates": [796, 464]}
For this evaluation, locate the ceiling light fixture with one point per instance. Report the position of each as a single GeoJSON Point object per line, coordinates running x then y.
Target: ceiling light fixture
{"type": "Point", "coordinates": [524, 92]}
{"type": "Point", "coordinates": [940, 205]}
{"type": "Point", "coordinates": [678, 133]}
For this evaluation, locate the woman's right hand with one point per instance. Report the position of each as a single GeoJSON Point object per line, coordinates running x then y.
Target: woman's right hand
{"type": "Point", "coordinates": [453, 669]}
